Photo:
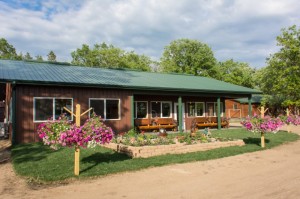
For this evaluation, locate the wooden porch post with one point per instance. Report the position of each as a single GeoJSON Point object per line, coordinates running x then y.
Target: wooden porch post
{"type": "Point", "coordinates": [180, 113]}
{"type": "Point", "coordinates": [250, 105]}
{"type": "Point", "coordinates": [219, 112]}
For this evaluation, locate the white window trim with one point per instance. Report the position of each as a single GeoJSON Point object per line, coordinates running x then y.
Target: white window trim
{"type": "Point", "coordinates": [203, 105]}
{"type": "Point", "coordinates": [169, 102]}
{"type": "Point", "coordinates": [135, 112]}
{"type": "Point", "coordinates": [53, 107]}
{"type": "Point", "coordinates": [104, 99]}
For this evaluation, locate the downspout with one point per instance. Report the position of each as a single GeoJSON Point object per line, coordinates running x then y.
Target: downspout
{"type": "Point", "coordinates": [219, 112]}
{"type": "Point", "coordinates": [14, 122]}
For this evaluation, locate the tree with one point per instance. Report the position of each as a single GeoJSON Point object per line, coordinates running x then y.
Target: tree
{"type": "Point", "coordinates": [190, 57]}
{"type": "Point", "coordinates": [237, 73]}
{"type": "Point", "coordinates": [282, 73]}
{"type": "Point", "coordinates": [27, 56]}
{"type": "Point", "coordinates": [51, 56]}
{"type": "Point", "coordinates": [138, 62]}
{"type": "Point", "coordinates": [281, 77]}
{"type": "Point", "coordinates": [7, 51]}
{"type": "Point", "coordinates": [39, 58]}
{"type": "Point", "coordinates": [109, 56]}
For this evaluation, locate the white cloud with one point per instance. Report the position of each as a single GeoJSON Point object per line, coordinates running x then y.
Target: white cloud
{"type": "Point", "coordinates": [244, 30]}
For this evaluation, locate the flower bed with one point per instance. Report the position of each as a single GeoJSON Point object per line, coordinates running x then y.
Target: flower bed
{"type": "Point", "coordinates": [136, 144]}
{"type": "Point", "coordinates": [133, 138]}
{"type": "Point", "coordinates": [177, 148]}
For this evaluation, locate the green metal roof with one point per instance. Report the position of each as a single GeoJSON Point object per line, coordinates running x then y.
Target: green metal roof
{"type": "Point", "coordinates": [57, 74]}
{"type": "Point", "coordinates": [256, 99]}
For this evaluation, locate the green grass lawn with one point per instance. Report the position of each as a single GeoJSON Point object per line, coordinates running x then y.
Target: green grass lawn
{"type": "Point", "coordinates": [40, 164]}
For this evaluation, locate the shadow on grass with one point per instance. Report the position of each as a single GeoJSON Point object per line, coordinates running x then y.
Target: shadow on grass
{"type": "Point", "coordinates": [30, 152]}
{"type": "Point", "coordinates": [256, 141]}
{"type": "Point", "coordinates": [100, 158]}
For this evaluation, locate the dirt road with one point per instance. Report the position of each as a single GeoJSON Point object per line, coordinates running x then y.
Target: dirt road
{"type": "Point", "coordinates": [273, 173]}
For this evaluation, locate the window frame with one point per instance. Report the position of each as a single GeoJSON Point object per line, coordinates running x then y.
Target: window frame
{"type": "Point", "coordinates": [215, 109]}
{"type": "Point", "coordinates": [235, 106]}
{"type": "Point", "coordinates": [53, 107]}
{"type": "Point", "coordinates": [135, 110]}
{"type": "Point", "coordinates": [104, 99]}
{"type": "Point", "coordinates": [195, 111]}
{"type": "Point", "coordinates": [161, 114]}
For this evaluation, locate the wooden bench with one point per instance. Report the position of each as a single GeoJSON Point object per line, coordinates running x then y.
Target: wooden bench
{"type": "Point", "coordinates": [155, 124]}
{"type": "Point", "coordinates": [224, 122]}
{"type": "Point", "coordinates": [166, 123]}
{"type": "Point", "coordinates": [212, 122]}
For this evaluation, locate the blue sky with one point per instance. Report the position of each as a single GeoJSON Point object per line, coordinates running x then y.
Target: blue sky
{"type": "Point", "coordinates": [243, 30]}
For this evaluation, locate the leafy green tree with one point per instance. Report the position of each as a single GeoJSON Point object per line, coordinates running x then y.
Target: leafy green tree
{"type": "Point", "coordinates": [280, 79]}
{"type": "Point", "coordinates": [190, 57]}
{"type": "Point", "coordinates": [109, 56]}
{"type": "Point", "coordinates": [282, 73]}
{"type": "Point", "coordinates": [237, 73]}
{"type": "Point", "coordinates": [51, 56]}
{"type": "Point", "coordinates": [138, 62]}
{"type": "Point", "coordinates": [27, 56]}
{"type": "Point", "coordinates": [7, 51]}
{"type": "Point", "coordinates": [39, 58]}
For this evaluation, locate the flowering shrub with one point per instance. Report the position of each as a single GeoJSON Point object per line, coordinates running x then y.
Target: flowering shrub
{"type": "Point", "coordinates": [262, 125]}
{"type": "Point", "coordinates": [50, 131]}
{"type": "Point", "coordinates": [61, 133]}
{"type": "Point", "coordinates": [133, 138]}
{"type": "Point", "coordinates": [291, 119]}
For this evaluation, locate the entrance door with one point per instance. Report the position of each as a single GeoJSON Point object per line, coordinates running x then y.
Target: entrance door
{"type": "Point", "coordinates": [176, 115]}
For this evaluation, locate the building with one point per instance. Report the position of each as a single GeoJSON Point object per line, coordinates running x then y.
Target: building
{"type": "Point", "coordinates": [38, 91]}
{"type": "Point", "coordinates": [239, 108]}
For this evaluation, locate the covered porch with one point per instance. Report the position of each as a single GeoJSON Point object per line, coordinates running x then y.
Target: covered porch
{"type": "Point", "coordinates": [179, 112]}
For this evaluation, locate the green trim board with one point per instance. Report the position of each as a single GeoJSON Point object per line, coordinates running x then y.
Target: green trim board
{"type": "Point", "coordinates": [40, 73]}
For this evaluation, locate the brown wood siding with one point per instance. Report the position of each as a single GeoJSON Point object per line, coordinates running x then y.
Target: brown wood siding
{"type": "Point", "coordinates": [2, 101]}
{"type": "Point", "coordinates": [2, 111]}
{"type": "Point", "coordinates": [26, 128]}
{"type": "Point", "coordinates": [8, 95]}
{"type": "Point", "coordinates": [241, 111]}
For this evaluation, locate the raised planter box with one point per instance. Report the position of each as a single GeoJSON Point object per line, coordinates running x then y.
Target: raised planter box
{"type": "Point", "coordinates": [178, 148]}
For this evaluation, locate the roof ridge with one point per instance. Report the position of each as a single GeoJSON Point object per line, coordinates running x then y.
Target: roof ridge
{"type": "Point", "coordinates": [46, 62]}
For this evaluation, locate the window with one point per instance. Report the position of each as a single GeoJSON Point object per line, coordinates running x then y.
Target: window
{"type": "Point", "coordinates": [51, 108]}
{"type": "Point", "coordinates": [161, 109]}
{"type": "Point", "coordinates": [235, 106]}
{"type": "Point", "coordinates": [98, 107]}
{"type": "Point", "coordinates": [166, 109]}
{"type": "Point", "coordinates": [212, 108]}
{"type": "Point", "coordinates": [59, 107]}
{"type": "Point", "coordinates": [106, 108]}
{"type": "Point", "coordinates": [195, 109]}
{"type": "Point", "coordinates": [141, 109]}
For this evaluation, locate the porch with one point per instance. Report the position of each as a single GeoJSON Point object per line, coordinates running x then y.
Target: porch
{"type": "Point", "coordinates": [178, 113]}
